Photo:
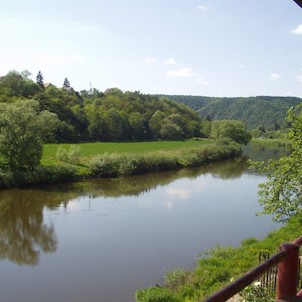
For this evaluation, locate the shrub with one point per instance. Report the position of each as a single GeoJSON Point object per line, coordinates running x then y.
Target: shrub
{"type": "Point", "coordinates": [40, 175]}
{"type": "Point", "coordinates": [105, 165]}
{"type": "Point", "coordinates": [156, 294]}
{"type": "Point", "coordinates": [62, 154]}
{"type": "Point", "coordinates": [175, 279]}
{"type": "Point", "coordinates": [71, 156]}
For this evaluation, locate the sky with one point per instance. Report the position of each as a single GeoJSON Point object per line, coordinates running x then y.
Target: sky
{"type": "Point", "coordinates": [189, 47]}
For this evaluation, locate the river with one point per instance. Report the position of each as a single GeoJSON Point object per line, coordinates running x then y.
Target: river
{"type": "Point", "coordinates": [100, 240]}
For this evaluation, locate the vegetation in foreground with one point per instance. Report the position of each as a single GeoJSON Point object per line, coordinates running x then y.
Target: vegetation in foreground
{"type": "Point", "coordinates": [217, 267]}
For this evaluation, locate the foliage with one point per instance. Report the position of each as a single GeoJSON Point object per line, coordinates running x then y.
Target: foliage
{"type": "Point", "coordinates": [16, 84]}
{"type": "Point", "coordinates": [22, 130]}
{"type": "Point", "coordinates": [232, 129]}
{"type": "Point", "coordinates": [66, 84]}
{"type": "Point", "coordinates": [256, 293]}
{"type": "Point", "coordinates": [109, 116]}
{"type": "Point", "coordinates": [40, 79]}
{"type": "Point", "coordinates": [281, 194]}
{"type": "Point", "coordinates": [155, 294]}
{"type": "Point", "coordinates": [71, 156]}
{"type": "Point", "coordinates": [114, 164]}
{"type": "Point", "coordinates": [40, 175]}
{"type": "Point", "coordinates": [264, 112]}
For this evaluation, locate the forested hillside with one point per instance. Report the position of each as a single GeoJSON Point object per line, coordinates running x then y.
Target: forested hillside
{"type": "Point", "coordinates": [112, 115]}
{"type": "Point", "coordinates": [256, 112]}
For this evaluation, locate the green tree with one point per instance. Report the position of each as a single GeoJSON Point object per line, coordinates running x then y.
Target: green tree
{"type": "Point", "coordinates": [66, 84]}
{"type": "Point", "coordinates": [22, 130]}
{"type": "Point", "coordinates": [281, 195]}
{"type": "Point", "coordinates": [137, 125]}
{"type": "Point", "coordinates": [155, 123]}
{"type": "Point", "coordinates": [232, 129]}
{"type": "Point", "coordinates": [40, 79]}
{"type": "Point", "coordinates": [15, 84]}
{"type": "Point", "coordinates": [25, 74]}
{"type": "Point", "coordinates": [172, 127]}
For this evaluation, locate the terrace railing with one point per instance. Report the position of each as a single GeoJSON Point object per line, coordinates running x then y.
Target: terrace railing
{"type": "Point", "coordinates": [287, 260]}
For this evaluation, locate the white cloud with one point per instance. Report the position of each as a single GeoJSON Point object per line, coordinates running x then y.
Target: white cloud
{"type": "Point", "coordinates": [275, 76]}
{"type": "Point", "coordinates": [202, 7]}
{"type": "Point", "coordinates": [149, 61]}
{"type": "Point", "coordinates": [181, 73]}
{"type": "Point", "coordinates": [297, 30]}
{"type": "Point", "coordinates": [170, 61]}
{"type": "Point", "coordinates": [241, 66]}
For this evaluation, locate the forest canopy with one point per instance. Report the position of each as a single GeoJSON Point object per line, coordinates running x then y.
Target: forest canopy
{"type": "Point", "coordinates": [264, 112]}
{"type": "Point", "coordinates": [111, 115]}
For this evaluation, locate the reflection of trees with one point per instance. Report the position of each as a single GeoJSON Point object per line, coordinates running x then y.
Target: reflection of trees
{"type": "Point", "coordinates": [264, 152]}
{"type": "Point", "coordinates": [228, 169]}
{"type": "Point", "coordinates": [23, 234]}
{"type": "Point", "coordinates": [137, 184]}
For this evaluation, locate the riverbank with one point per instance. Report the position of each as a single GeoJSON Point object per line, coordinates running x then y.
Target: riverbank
{"type": "Point", "coordinates": [274, 142]}
{"type": "Point", "coordinates": [218, 266]}
{"type": "Point", "coordinates": [65, 165]}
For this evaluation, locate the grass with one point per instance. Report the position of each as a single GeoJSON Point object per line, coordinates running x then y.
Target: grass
{"type": "Point", "coordinates": [89, 150]}
{"type": "Point", "coordinates": [272, 141]}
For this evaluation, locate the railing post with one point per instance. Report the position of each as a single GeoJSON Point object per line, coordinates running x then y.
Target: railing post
{"type": "Point", "coordinates": [288, 271]}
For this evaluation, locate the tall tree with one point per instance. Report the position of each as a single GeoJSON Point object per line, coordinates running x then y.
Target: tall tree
{"type": "Point", "coordinates": [66, 84]}
{"type": "Point", "coordinates": [40, 79]}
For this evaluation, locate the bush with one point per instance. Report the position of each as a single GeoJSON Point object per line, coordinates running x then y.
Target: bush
{"type": "Point", "coordinates": [256, 293]}
{"type": "Point", "coordinates": [62, 154]}
{"type": "Point", "coordinates": [40, 175]}
{"type": "Point", "coordinates": [175, 279]}
{"type": "Point", "coordinates": [156, 294]}
{"type": "Point", "coordinates": [105, 165]}
{"type": "Point", "coordinates": [72, 156]}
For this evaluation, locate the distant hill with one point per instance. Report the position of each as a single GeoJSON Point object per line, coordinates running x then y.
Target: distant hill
{"type": "Point", "coordinates": [261, 111]}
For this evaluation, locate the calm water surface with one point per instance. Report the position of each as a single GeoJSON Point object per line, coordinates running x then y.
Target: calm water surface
{"type": "Point", "coordinates": [101, 240]}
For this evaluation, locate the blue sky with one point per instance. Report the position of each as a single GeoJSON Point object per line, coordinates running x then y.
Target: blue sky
{"type": "Point", "coordinates": [192, 47]}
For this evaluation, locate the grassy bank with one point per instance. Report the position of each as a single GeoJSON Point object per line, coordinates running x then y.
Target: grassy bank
{"type": "Point", "coordinates": [89, 150]}
{"type": "Point", "coordinates": [217, 267]}
{"type": "Point", "coordinates": [62, 163]}
{"type": "Point", "coordinates": [276, 142]}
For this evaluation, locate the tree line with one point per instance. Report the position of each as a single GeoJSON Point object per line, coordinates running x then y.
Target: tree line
{"type": "Point", "coordinates": [32, 113]}
{"type": "Point", "coordinates": [111, 115]}
{"type": "Point", "coordinates": [263, 113]}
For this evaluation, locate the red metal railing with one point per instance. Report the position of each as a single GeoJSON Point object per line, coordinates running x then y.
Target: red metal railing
{"type": "Point", "coordinates": [287, 280]}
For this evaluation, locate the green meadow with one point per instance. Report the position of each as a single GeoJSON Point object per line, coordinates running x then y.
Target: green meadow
{"type": "Point", "coordinates": [89, 150]}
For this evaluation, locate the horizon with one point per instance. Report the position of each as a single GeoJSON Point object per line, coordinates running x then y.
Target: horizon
{"type": "Point", "coordinates": [214, 48]}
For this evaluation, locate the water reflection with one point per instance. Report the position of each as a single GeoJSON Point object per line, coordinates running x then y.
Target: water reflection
{"type": "Point", "coordinates": [24, 234]}
{"type": "Point", "coordinates": [261, 152]}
